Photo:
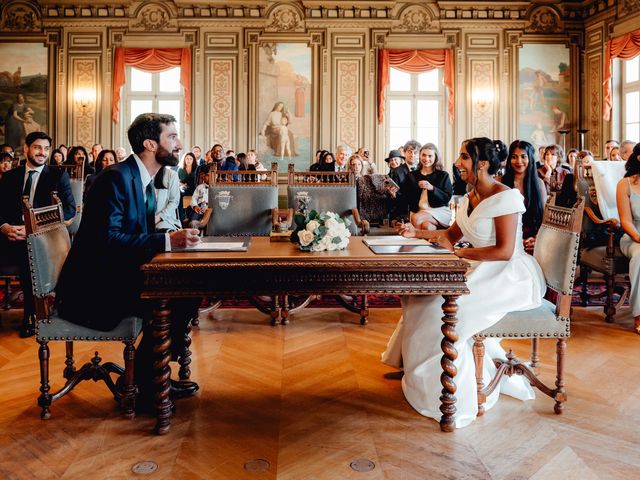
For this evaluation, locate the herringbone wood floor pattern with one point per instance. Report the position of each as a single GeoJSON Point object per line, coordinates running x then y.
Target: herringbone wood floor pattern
{"type": "Point", "coordinates": [311, 397]}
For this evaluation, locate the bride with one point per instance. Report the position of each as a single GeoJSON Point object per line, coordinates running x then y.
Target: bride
{"type": "Point", "coordinates": [502, 278]}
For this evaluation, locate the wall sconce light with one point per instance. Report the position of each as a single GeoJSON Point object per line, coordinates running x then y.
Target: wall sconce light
{"type": "Point", "coordinates": [84, 98]}
{"type": "Point", "coordinates": [482, 98]}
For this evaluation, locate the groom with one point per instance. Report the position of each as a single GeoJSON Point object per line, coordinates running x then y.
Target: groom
{"type": "Point", "coordinates": [101, 281]}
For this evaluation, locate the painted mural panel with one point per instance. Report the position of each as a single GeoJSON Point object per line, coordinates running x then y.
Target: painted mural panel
{"type": "Point", "coordinates": [284, 105]}
{"type": "Point", "coordinates": [544, 83]}
{"type": "Point", "coordinates": [23, 91]}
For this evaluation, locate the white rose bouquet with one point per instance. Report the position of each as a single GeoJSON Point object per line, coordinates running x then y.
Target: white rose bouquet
{"type": "Point", "coordinates": [317, 232]}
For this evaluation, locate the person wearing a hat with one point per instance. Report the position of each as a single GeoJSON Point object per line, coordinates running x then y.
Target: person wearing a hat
{"type": "Point", "coordinates": [399, 173]}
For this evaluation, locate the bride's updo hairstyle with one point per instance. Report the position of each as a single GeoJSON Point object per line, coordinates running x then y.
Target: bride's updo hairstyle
{"type": "Point", "coordinates": [483, 148]}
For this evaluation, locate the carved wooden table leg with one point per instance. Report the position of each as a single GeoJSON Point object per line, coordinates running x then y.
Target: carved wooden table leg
{"type": "Point", "coordinates": [184, 360]}
{"type": "Point", "coordinates": [160, 325]}
{"type": "Point", "coordinates": [449, 371]}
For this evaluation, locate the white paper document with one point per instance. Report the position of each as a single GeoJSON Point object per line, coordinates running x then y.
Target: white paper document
{"type": "Point", "coordinates": [395, 240]}
{"type": "Point", "coordinates": [218, 247]}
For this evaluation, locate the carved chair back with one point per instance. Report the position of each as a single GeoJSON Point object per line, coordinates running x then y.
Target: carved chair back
{"type": "Point", "coordinates": [76, 175]}
{"type": "Point", "coordinates": [243, 202]}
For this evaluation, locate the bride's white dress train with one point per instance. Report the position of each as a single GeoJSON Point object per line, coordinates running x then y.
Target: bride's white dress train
{"type": "Point", "coordinates": [496, 288]}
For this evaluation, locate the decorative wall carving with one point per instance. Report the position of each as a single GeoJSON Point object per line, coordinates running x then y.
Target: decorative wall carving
{"type": "Point", "coordinates": [630, 6]}
{"type": "Point", "coordinates": [545, 20]}
{"type": "Point", "coordinates": [153, 17]}
{"type": "Point", "coordinates": [285, 18]}
{"type": "Point", "coordinates": [221, 94]}
{"type": "Point", "coordinates": [85, 78]}
{"type": "Point", "coordinates": [21, 17]}
{"type": "Point", "coordinates": [348, 98]}
{"type": "Point", "coordinates": [595, 103]}
{"type": "Point", "coordinates": [482, 117]}
{"type": "Point", "coordinates": [415, 19]}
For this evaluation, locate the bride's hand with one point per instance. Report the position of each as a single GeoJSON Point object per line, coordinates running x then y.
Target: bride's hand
{"type": "Point", "coordinates": [406, 230]}
{"type": "Point", "coordinates": [442, 240]}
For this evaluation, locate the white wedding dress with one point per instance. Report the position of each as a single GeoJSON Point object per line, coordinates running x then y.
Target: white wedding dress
{"type": "Point", "coordinates": [496, 288]}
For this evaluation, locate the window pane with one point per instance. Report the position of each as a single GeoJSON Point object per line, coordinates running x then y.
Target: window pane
{"type": "Point", "coordinates": [428, 135]}
{"type": "Point", "coordinates": [138, 107]}
{"type": "Point", "coordinates": [399, 81]}
{"type": "Point", "coordinates": [398, 136]}
{"type": "Point", "coordinates": [632, 70]}
{"type": "Point", "coordinates": [428, 81]}
{"type": "Point", "coordinates": [428, 113]}
{"type": "Point", "coordinates": [170, 80]}
{"type": "Point", "coordinates": [140, 81]}
{"type": "Point", "coordinates": [400, 113]}
{"type": "Point", "coordinates": [632, 132]}
{"type": "Point", "coordinates": [172, 107]}
{"type": "Point", "coordinates": [632, 107]}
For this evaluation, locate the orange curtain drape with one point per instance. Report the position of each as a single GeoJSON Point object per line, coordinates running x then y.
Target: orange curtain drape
{"type": "Point", "coordinates": [625, 47]}
{"type": "Point", "coordinates": [152, 60]}
{"type": "Point", "coordinates": [415, 61]}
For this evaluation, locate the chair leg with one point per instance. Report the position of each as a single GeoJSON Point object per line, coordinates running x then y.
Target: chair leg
{"type": "Point", "coordinates": [609, 307]}
{"type": "Point", "coordinates": [130, 390]}
{"type": "Point", "coordinates": [535, 357]}
{"type": "Point", "coordinates": [478, 357]}
{"type": "Point", "coordinates": [184, 360]}
{"type": "Point", "coordinates": [364, 310]}
{"type": "Point", "coordinates": [584, 281]}
{"type": "Point", "coordinates": [69, 369]}
{"type": "Point", "coordinates": [44, 400]}
{"type": "Point", "coordinates": [560, 394]}
{"type": "Point", "coordinates": [284, 310]}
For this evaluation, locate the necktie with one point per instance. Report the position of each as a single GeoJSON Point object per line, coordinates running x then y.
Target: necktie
{"type": "Point", "coordinates": [150, 201]}
{"type": "Point", "coordinates": [26, 191]}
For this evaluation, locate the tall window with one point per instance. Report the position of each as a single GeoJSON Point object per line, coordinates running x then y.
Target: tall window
{"type": "Point", "coordinates": [153, 92]}
{"type": "Point", "coordinates": [631, 99]}
{"type": "Point", "coordinates": [416, 108]}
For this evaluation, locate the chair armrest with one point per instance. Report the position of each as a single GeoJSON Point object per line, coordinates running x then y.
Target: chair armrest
{"type": "Point", "coordinates": [362, 224]}
{"type": "Point", "coordinates": [204, 221]}
{"type": "Point", "coordinates": [611, 222]}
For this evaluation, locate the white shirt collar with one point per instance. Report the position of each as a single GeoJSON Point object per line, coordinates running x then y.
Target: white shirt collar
{"type": "Point", "coordinates": [28, 168]}
{"type": "Point", "coordinates": [144, 173]}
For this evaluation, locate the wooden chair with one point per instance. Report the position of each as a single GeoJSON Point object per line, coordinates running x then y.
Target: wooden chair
{"type": "Point", "coordinates": [599, 248]}
{"type": "Point", "coordinates": [48, 243]}
{"type": "Point", "coordinates": [327, 192]}
{"type": "Point", "coordinates": [556, 251]}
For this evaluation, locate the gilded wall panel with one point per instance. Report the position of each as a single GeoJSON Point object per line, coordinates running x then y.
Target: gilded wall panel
{"type": "Point", "coordinates": [348, 105]}
{"type": "Point", "coordinates": [482, 97]}
{"type": "Point", "coordinates": [594, 105]}
{"type": "Point", "coordinates": [84, 98]}
{"type": "Point", "coordinates": [221, 100]}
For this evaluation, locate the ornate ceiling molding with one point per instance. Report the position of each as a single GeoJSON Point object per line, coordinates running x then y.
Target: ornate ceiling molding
{"type": "Point", "coordinates": [21, 16]}
{"type": "Point", "coordinates": [415, 19]}
{"type": "Point", "coordinates": [285, 18]}
{"type": "Point", "coordinates": [629, 6]}
{"type": "Point", "coordinates": [154, 17]}
{"type": "Point", "coordinates": [544, 20]}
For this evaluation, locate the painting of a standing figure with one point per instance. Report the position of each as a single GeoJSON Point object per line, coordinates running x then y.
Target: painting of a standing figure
{"type": "Point", "coordinates": [284, 106]}
{"type": "Point", "coordinates": [23, 91]}
{"type": "Point", "coordinates": [544, 82]}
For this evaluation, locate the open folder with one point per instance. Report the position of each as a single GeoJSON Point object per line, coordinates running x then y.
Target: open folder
{"type": "Point", "coordinates": [218, 244]}
{"type": "Point", "coordinates": [394, 245]}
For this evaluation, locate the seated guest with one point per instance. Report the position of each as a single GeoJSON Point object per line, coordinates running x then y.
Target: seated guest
{"type": "Point", "coordinates": [57, 157]}
{"type": "Point", "coordinates": [551, 173]}
{"type": "Point", "coordinates": [78, 156]}
{"type": "Point", "coordinates": [399, 173]}
{"type": "Point", "coordinates": [6, 163]}
{"type": "Point", "coordinates": [356, 164]}
{"type": "Point", "coordinates": [411, 152]}
{"type": "Point", "coordinates": [430, 191]}
{"type": "Point", "coordinates": [168, 200]}
{"type": "Point", "coordinates": [628, 201]}
{"type": "Point", "coordinates": [186, 174]}
{"type": "Point", "coordinates": [105, 159]}
{"type": "Point", "coordinates": [614, 155]}
{"type": "Point", "coordinates": [316, 163]}
{"type": "Point", "coordinates": [101, 282]}
{"type": "Point", "coordinates": [521, 174]}
{"type": "Point", "coordinates": [572, 158]}
{"type": "Point", "coordinates": [36, 180]}
{"type": "Point", "coordinates": [609, 144]}
{"type": "Point", "coordinates": [199, 201]}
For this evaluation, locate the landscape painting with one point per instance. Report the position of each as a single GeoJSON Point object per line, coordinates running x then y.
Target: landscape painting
{"type": "Point", "coordinates": [284, 105]}
{"type": "Point", "coordinates": [23, 91]}
{"type": "Point", "coordinates": [544, 96]}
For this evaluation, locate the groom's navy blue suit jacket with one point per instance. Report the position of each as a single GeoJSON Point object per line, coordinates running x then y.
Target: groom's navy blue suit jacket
{"type": "Point", "coordinates": [101, 282]}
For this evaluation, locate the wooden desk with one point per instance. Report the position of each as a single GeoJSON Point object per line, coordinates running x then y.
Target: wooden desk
{"type": "Point", "coordinates": [279, 268]}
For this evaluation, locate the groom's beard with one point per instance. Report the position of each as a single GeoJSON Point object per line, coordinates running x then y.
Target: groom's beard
{"type": "Point", "coordinates": [166, 158]}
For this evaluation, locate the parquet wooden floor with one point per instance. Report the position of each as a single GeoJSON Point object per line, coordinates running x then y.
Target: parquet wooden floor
{"type": "Point", "coordinates": [311, 397]}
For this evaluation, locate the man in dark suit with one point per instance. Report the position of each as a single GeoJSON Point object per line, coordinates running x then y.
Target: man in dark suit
{"type": "Point", "coordinates": [101, 282]}
{"type": "Point", "coordinates": [399, 173]}
{"type": "Point", "coordinates": [36, 180]}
